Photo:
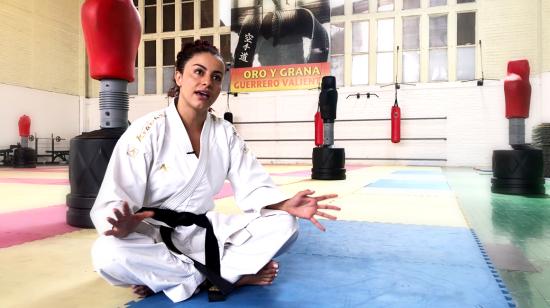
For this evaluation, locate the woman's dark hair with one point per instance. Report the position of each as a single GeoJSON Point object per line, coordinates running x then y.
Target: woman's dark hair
{"type": "Point", "coordinates": [186, 53]}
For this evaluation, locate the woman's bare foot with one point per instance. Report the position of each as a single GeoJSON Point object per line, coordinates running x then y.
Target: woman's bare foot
{"type": "Point", "coordinates": [142, 291]}
{"type": "Point", "coordinates": [265, 276]}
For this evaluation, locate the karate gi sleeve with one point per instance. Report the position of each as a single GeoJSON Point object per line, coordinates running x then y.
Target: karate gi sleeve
{"type": "Point", "coordinates": [253, 187]}
{"type": "Point", "coordinates": [125, 180]}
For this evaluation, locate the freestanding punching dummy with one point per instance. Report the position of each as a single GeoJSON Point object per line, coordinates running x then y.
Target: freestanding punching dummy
{"type": "Point", "coordinates": [328, 162]}
{"type": "Point", "coordinates": [112, 33]}
{"type": "Point", "coordinates": [24, 157]}
{"type": "Point", "coordinates": [518, 171]}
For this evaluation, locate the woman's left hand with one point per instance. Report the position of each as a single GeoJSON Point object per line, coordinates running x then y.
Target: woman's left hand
{"type": "Point", "coordinates": [304, 206]}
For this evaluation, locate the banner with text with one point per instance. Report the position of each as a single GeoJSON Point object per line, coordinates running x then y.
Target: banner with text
{"type": "Point", "coordinates": [279, 45]}
{"type": "Point", "coordinates": [280, 77]}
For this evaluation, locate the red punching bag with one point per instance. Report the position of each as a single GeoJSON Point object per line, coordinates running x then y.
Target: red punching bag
{"type": "Point", "coordinates": [517, 89]}
{"type": "Point", "coordinates": [24, 126]}
{"type": "Point", "coordinates": [112, 32]}
{"type": "Point", "coordinates": [318, 129]}
{"type": "Point", "coordinates": [395, 123]}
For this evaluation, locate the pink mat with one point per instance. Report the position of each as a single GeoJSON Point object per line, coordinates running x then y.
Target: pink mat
{"type": "Point", "coordinates": [40, 169]}
{"type": "Point", "coordinates": [226, 191]}
{"type": "Point", "coordinates": [31, 225]}
{"type": "Point", "coordinates": [34, 181]}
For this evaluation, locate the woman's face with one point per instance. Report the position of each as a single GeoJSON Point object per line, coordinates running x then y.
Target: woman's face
{"type": "Point", "coordinates": [201, 81]}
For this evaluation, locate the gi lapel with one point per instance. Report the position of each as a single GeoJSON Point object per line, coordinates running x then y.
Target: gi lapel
{"type": "Point", "coordinates": [184, 192]}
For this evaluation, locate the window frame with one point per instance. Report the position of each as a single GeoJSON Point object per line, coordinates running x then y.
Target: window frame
{"type": "Point", "coordinates": [451, 9]}
{"type": "Point", "coordinates": [216, 31]}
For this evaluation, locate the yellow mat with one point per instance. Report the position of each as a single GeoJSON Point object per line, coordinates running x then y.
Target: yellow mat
{"type": "Point", "coordinates": [56, 272]}
{"type": "Point", "coordinates": [18, 197]}
{"type": "Point", "coordinates": [442, 211]}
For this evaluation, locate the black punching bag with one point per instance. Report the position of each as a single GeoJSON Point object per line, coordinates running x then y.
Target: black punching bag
{"type": "Point", "coordinates": [328, 162]}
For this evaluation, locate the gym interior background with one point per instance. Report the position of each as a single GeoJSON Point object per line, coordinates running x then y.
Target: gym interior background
{"type": "Point", "coordinates": [44, 74]}
{"type": "Point", "coordinates": [447, 119]}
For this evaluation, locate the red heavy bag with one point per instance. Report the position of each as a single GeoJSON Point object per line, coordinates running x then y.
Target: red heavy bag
{"type": "Point", "coordinates": [517, 89]}
{"type": "Point", "coordinates": [395, 123]}
{"type": "Point", "coordinates": [112, 32]}
{"type": "Point", "coordinates": [24, 126]}
{"type": "Point", "coordinates": [318, 129]}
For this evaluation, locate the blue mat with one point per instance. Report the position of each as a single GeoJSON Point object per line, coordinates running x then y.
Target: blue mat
{"type": "Point", "coordinates": [408, 184]}
{"type": "Point", "coordinates": [360, 264]}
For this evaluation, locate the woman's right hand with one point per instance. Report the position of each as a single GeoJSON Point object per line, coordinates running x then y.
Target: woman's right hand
{"type": "Point", "coordinates": [126, 222]}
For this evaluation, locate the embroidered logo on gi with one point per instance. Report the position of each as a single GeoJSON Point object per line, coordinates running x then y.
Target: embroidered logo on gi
{"type": "Point", "coordinates": [235, 132]}
{"type": "Point", "coordinates": [244, 147]}
{"type": "Point", "coordinates": [132, 152]}
{"type": "Point", "coordinates": [163, 167]}
{"type": "Point", "coordinates": [148, 126]}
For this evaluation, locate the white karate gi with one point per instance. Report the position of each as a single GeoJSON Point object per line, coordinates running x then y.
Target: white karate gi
{"type": "Point", "coordinates": [149, 164]}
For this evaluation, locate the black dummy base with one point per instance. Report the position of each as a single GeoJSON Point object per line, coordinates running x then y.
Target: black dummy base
{"type": "Point", "coordinates": [90, 154]}
{"type": "Point", "coordinates": [24, 158]}
{"type": "Point", "coordinates": [518, 172]}
{"type": "Point", "coordinates": [328, 164]}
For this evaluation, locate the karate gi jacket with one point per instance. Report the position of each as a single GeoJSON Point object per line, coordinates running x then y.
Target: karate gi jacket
{"type": "Point", "coordinates": [151, 166]}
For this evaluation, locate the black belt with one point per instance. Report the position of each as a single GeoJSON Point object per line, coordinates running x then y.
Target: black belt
{"type": "Point", "coordinates": [219, 287]}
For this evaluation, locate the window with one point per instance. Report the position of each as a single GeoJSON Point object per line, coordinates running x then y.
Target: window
{"type": "Point", "coordinates": [438, 49]}
{"type": "Point", "coordinates": [360, 6]}
{"type": "Point", "coordinates": [411, 4]}
{"type": "Point", "coordinates": [384, 55]}
{"type": "Point", "coordinates": [438, 2]}
{"type": "Point", "coordinates": [150, 16]}
{"type": "Point", "coordinates": [225, 13]}
{"type": "Point", "coordinates": [208, 38]}
{"type": "Point", "coordinates": [168, 16]}
{"type": "Point", "coordinates": [337, 52]}
{"type": "Point", "coordinates": [465, 66]}
{"type": "Point", "coordinates": [466, 24]}
{"type": "Point", "coordinates": [187, 15]}
{"type": "Point", "coordinates": [207, 13]}
{"type": "Point", "coordinates": [186, 40]}
{"type": "Point", "coordinates": [422, 35]}
{"type": "Point", "coordinates": [225, 47]}
{"type": "Point", "coordinates": [158, 45]}
{"type": "Point", "coordinates": [133, 86]}
{"type": "Point", "coordinates": [168, 61]}
{"type": "Point", "coordinates": [385, 5]}
{"type": "Point", "coordinates": [411, 49]}
{"type": "Point", "coordinates": [336, 7]}
{"type": "Point", "coordinates": [150, 67]}
{"type": "Point", "coordinates": [360, 53]}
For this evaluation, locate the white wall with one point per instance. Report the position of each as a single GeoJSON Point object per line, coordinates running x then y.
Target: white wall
{"type": "Point", "coordinates": [475, 123]}
{"type": "Point", "coordinates": [544, 109]}
{"type": "Point", "coordinates": [50, 113]}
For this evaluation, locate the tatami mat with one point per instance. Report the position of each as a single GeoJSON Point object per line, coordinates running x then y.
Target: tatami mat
{"type": "Point", "coordinates": [360, 264]}
{"type": "Point", "coordinates": [16, 197]}
{"type": "Point", "coordinates": [385, 241]}
{"type": "Point", "coordinates": [56, 272]}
